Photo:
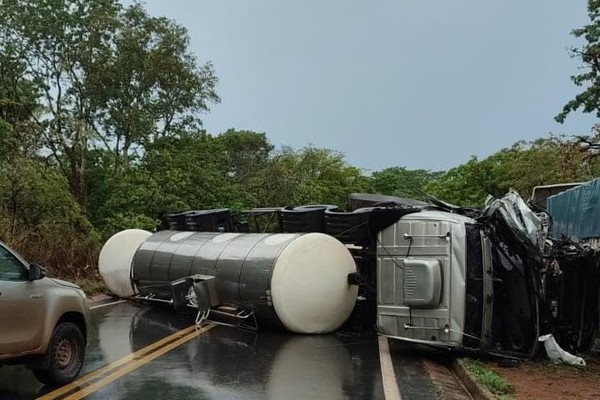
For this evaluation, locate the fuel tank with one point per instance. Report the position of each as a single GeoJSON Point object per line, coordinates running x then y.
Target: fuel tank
{"type": "Point", "coordinates": [295, 281]}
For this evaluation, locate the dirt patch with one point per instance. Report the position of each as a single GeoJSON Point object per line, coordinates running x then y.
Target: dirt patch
{"type": "Point", "coordinates": [448, 387]}
{"type": "Point", "coordinates": [543, 380]}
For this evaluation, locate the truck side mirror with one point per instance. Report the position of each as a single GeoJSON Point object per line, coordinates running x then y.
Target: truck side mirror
{"type": "Point", "coordinates": [36, 272]}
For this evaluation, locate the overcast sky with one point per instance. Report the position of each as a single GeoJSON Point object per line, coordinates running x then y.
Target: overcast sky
{"type": "Point", "coordinates": [415, 83]}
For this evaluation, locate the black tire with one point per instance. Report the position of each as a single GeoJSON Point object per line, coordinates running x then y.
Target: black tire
{"type": "Point", "coordinates": [64, 357]}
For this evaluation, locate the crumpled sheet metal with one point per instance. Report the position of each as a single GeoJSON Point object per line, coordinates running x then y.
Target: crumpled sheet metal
{"type": "Point", "coordinates": [519, 217]}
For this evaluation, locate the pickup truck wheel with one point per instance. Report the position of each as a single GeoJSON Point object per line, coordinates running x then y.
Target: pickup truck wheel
{"type": "Point", "coordinates": [64, 357]}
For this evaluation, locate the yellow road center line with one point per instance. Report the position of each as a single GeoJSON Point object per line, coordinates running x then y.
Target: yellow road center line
{"type": "Point", "coordinates": [135, 365]}
{"type": "Point", "coordinates": [77, 384]}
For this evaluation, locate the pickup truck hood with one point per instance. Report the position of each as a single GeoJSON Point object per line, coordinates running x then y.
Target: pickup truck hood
{"type": "Point", "coordinates": [65, 283]}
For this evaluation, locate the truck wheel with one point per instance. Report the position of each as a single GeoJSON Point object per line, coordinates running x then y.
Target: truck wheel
{"type": "Point", "coordinates": [64, 357]}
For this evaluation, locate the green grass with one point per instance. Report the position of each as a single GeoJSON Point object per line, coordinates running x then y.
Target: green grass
{"type": "Point", "coordinates": [489, 379]}
{"type": "Point", "coordinates": [91, 286]}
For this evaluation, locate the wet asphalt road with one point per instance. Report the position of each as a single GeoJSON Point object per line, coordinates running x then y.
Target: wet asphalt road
{"type": "Point", "coordinates": [224, 363]}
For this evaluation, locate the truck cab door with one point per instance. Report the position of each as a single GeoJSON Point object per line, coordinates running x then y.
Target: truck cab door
{"type": "Point", "coordinates": [22, 306]}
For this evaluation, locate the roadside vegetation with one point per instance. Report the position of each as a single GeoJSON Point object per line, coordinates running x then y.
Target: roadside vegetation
{"type": "Point", "coordinates": [489, 379]}
{"type": "Point", "coordinates": [92, 285]}
{"type": "Point", "coordinates": [101, 108]}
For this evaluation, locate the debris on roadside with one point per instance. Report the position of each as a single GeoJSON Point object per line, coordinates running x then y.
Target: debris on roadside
{"type": "Point", "coordinates": [556, 354]}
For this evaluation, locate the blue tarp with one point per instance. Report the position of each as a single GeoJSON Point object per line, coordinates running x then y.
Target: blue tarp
{"type": "Point", "coordinates": [576, 212]}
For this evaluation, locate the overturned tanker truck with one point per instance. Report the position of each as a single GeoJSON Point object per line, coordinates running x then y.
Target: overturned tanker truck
{"type": "Point", "coordinates": [490, 280]}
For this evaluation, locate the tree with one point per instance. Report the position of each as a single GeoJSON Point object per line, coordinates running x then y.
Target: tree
{"type": "Point", "coordinates": [193, 170]}
{"type": "Point", "coordinates": [308, 176]}
{"type": "Point", "coordinates": [521, 167]}
{"type": "Point", "coordinates": [467, 184]}
{"type": "Point", "coordinates": [108, 76]}
{"type": "Point", "coordinates": [41, 219]}
{"type": "Point", "coordinates": [399, 181]}
{"type": "Point", "coordinates": [540, 162]}
{"type": "Point", "coordinates": [589, 54]}
{"type": "Point", "coordinates": [247, 156]}
{"type": "Point", "coordinates": [147, 85]}
{"type": "Point", "coordinates": [7, 141]}
{"type": "Point", "coordinates": [18, 101]}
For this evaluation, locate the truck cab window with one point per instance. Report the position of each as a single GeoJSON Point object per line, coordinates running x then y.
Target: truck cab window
{"type": "Point", "coordinates": [11, 268]}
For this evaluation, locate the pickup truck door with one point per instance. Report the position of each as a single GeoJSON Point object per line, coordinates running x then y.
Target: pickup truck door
{"type": "Point", "coordinates": [22, 306]}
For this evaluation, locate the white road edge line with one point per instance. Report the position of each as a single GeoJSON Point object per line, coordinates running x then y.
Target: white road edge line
{"type": "Point", "coordinates": [107, 304]}
{"type": "Point", "coordinates": [390, 385]}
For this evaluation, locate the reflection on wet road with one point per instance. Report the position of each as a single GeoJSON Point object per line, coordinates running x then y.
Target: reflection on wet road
{"type": "Point", "coordinates": [165, 358]}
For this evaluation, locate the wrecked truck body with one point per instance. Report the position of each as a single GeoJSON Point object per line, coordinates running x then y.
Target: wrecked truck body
{"type": "Point", "coordinates": [504, 280]}
{"type": "Point", "coordinates": [488, 281]}
{"type": "Point", "coordinates": [485, 297]}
